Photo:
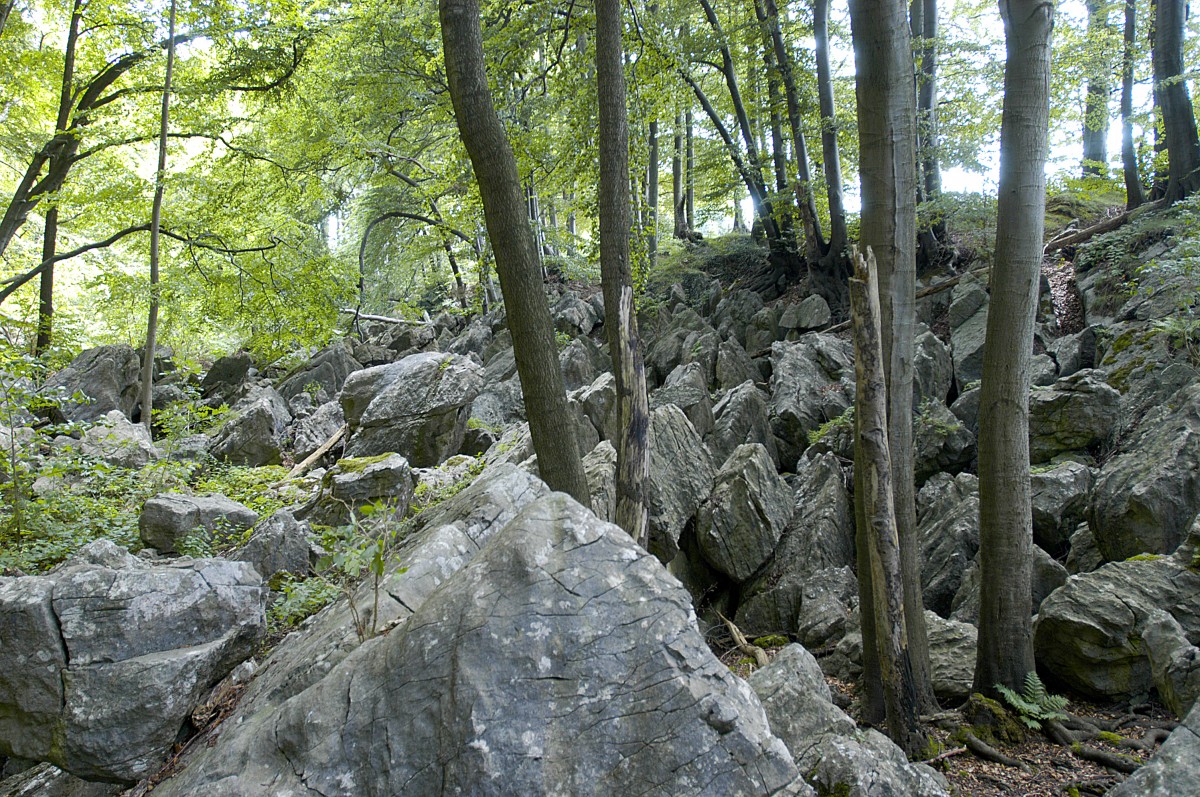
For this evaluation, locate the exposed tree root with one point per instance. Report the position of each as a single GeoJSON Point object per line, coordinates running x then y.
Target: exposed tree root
{"type": "Point", "coordinates": [1073, 741]}
{"type": "Point", "coordinates": [744, 647]}
{"type": "Point", "coordinates": [989, 753]}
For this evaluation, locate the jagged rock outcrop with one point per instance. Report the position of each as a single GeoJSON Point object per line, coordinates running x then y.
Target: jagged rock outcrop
{"type": "Point", "coordinates": [741, 416]}
{"type": "Point", "coordinates": [357, 482]}
{"type": "Point", "coordinates": [1059, 497]}
{"type": "Point", "coordinates": [108, 376]}
{"type": "Point", "coordinates": [323, 375]}
{"type": "Point", "coordinates": [952, 647]}
{"type": "Point", "coordinates": [312, 431]}
{"type": "Point", "coordinates": [1076, 413]}
{"type": "Point", "coordinates": [1172, 770]}
{"type": "Point", "coordinates": [681, 477]}
{"type": "Point", "coordinates": [948, 530]}
{"type": "Point", "coordinates": [279, 544]}
{"type": "Point", "coordinates": [941, 442]}
{"type": "Point", "coordinates": [117, 441]}
{"type": "Point", "coordinates": [257, 433]}
{"type": "Point", "coordinates": [1174, 662]}
{"type": "Point", "coordinates": [481, 689]}
{"type": "Point", "coordinates": [687, 389]}
{"type": "Point", "coordinates": [417, 407]}
{"type": "Point", "coordinates": [169, 518]}
{"type": "Point", "coordinates": [812, 382]}
{"type": "Point", "coordinates": [102, 661]}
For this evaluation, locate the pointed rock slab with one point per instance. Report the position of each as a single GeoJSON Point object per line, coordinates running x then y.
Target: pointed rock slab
{"type": "Point", "coordinates": [416, 407]}
{"type": "Point", "coordinates": [1076, 413]}
{"type": "Point", "coordinates": [562, 660]}
{"type": "Point", "coordinates": [107, 375]}
{"type": "Point", "coordinates": [812, 382]}
{"type": "Point", "coordinates": [1172, 771]}
{"type": "Point", "coordinates": [681, 477]}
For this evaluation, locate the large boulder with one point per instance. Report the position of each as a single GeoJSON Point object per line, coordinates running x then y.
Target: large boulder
{"type": "Point", "coordinates": [1059, 496]}
{"type": "Point", "coordinates": [107, 377]}
{"type": "Point", "coordinates": [256, 434]}
{"type": "Point", "coordinates": [687, 388]}
{"type": "Point", "coordinates": [812, 382]}
{"type": "Point", "coordinates": [948, 530]}
{"type": "Point", "coordinates": [480, 689]}
{"type": "Point", "coordinates": [1076, 413]}
{"type": "Point", "coordinates": [168, 519]}
{"type": "Point", "coordinates": [933, 369]}
{"type": "Point", "coordinates": [574, 316]}
{"type": "Point", "coordinates": [313, 431]}
{"type": "Point", "coordinates": [734, 312]}
{"type": "Point", "coordinates": [967, 317]}
{"type": "Point", "coordinates": [279, 544]}
{"type": "Point", "coordinates": [1174, 662]}
{"type": "Point", "coordinates": [102, 662]}
{"type": "Point", "coordinates": [323, 375]}
{"type": "Point", "coordinates": [358, 482]}
{"type": "Point", "coordinates": [224, 381]}
{"type": "Point", "coordinates": [951, 657]}
{"type": "Point", "coordinates": [1047, 575]}
{"type": "Point", "coordinates": [734, 366]}
{"type": "Point", "coordinates": [1172, 771]}
{"type": "Point", "coordinates": [599, 403]}
{"type": "Point", "coordinates": [741, 417]}
{"type": "Point", "coordinates": [416, 407]}
{"type": "Point", "coordinates": [1088, 633]}
{"type": "Point", "coordinates": [827, 745]}
{"type": "Point", "coordinates": [941, 442]}
{"type": "Point", "coordinates": [1147, 496]}
{"type": "Point", "coordinates": [117, 441]}
{"type": "Point", "coordinates": [681, 477]}
{"type": "Point", "coordinates": [740, 524]}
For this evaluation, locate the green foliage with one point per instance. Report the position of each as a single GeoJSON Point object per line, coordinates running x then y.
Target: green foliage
{"type": "Point", "coordinates": [357, 550]}
{"type": "Point", "coordinates": [299, 599]}
{"type": "Point", "coordinates": [1035, 705]}
{"type": "Point", "coordinates": [842, 423]}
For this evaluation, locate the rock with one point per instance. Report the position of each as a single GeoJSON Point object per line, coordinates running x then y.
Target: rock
{"type": "Point", "coordinates": [118, 442]}
{"type": "Point", "coordinates": [1077, 413]}
{"type": "Point", "coordinates": [1084, 556]}
{"type": "Point", "coordinates": [358, 482]}
{"type": "Point", "coordinates": [681, 477]}
{"type": "Point", "coordinates": [734, 312]}
{"type": "Point", "coordinates": [499, 404]}
{"type": "Point", "coordinates": [47, 780]}
{"type": "Point", "coordinates": [689, 338]}
{"type": "Point", "coordinates": [933, 369]}
{"type": "Point", "coordinates": [1088, 632]}
{"type": "Point", "coordinates": [309, 434]}
{"type": "Point", "coordinates": [323, 375]}
{"type": "Point", "coordinates": [480, 689]}
{"type": "Point", "coordinates": [574, 316]}
{"type": "Point", "coordinates": [812, 313]}
{"type": "Point", "coordinates": [838, 758]}
{"type": "Point", "coordinates": [951, 657]}
{"type": "Point", "coordinates": [734, 366]}
{"type": "Point", "coordinates": [104, 659]}
{"type": "Point", "coordinates": [740, 523]}
{"type": "Point", "coordinates": [942, 443]}
{"type": "Point", "coordinates": [581, 362]}
{"type": "Point", "coordinates": [1047, 575]}
{"type": "Point", "coordinates": [741, 417]}
{"type": "Point", "coordinates": [948, 528]}
{"type": "Point", "coordinates": [168, 519]}
{"type": "Point", "coordinates": [107, 375]}
{"type": "Point", "coordinates": [224, 381]}
{"type": "Point", "coordinates": [1174, 662]}
{"type": "Point", "coordinates": [968, 330]}
{"type": "Point", "coordinates": [687, 389]}
{"type": "Point", "coordinates": [812, 382]}
{"type": "Point", "coordinates": [1042, 371]}
{"type": "Point", "coordinates": [966, 409]}
{"type": "Point", "coordinates": [1059, 497]}
{"type": "Point", "coordinates": [255, 435]}
{"type": "Point", "coordinates": [1075, 352]}
{"type": "Point", "coordinates": [417, 407]}
{"type": "Point", "coordinates": [474, 339]}
{"type": "Point", "coordinates": [827, 604]}
{"type": "Point", "coordinates": [280, 544]}
{"type": "Point", "coordinates": [1147, 496]}
{"type": "Point", "coordinates": [599, 403]}
{"type": "Point", "coordinates": [762, 331]}
{"type": "Point", "coordinates": [600, 468]}
{"type": "Point", "coordinates": [1172, 770]}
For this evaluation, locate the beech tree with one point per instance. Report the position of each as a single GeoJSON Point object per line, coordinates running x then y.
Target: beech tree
{"type": "Point", "coordinates": [515, 249]}
{"type": "Point", "coordinates": [1174, 104]}
{"type": "Point", "coordinates": [1005, 652]}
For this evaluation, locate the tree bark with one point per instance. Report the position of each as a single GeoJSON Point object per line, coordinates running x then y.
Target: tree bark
{"type": "Point", "coordinates": [5, 9]}
{"type": "Point", "coordinates": [838, 237]}
{"type": "Point", "coordinates": [886, 90]}
{"type": "Point", "coordinates": [1179, 123]}
{"type": "Point", "coordinates": [651, 193]}
{"type": "Point", "coordinates": [873, 459]}
{"type": "Point", "coordinates": [924, 26]}
{"type": "Point", "coordinates": [514, 248]}
{"type": "Point", "coordinates": [160, 177]}
{"type": "Point", "coordinates": [1134, 195]}
{"type": "Point", "coordinates": [620, 321]}
{"type": "Point", "coordinates": [1095, 115]}
{"type": "Point", "coordinates": [1005, 652]}
{"type": "Point", "coordinates": [678, 198]}
{"type": "Point", "coordinates": [690, 143]}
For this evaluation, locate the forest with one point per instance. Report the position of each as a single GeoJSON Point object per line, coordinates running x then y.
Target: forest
{"type": "Point", "coordinates": [870, 326]}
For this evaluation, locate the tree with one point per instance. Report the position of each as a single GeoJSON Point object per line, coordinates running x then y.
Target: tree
{"type": "Point", "coordinates": [514, 247]}
{"type": "Point", "coordinates": [886, 90]}
{"type": "Point", "coordinates": [1171, 97]}
{"type": "Point", "coordinates": [1005, 652]}
{"type": "Point", "coordinates": [160, 177]}
{"type": "Point", "coordinates": [620, 322]}
{"type": "Point", "coordinates": [1095, 115]}
{"type": "Point", "coordinates": [839, 239]}
{"type": "Point", "coordinates": [1134, 195]}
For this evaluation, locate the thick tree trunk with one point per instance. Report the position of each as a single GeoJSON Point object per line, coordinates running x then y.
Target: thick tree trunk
{"type": "Point", "coordinates": [886, 92]}
{"type": "Point", "coordinates": [1005, 652]}
{"type": "Point", "coordinates": [514, 248]}
{"type": "Point", "coordinates": [924, 26]}
{"type": "Point", "coordinates": [1095, 115]}
{"type": "Point", "coordinates": [620, 320]}
{"type": "Point", "coordinates": [5, 9]}
{"type": "Point", "coordinates": [873, 460]}
{"type": "Point", "coordinates": [1179, 123]}
{"type": "Point", "coordinates": [1134, 196]}
{"type": "Point", "coordinates": [160, 177]}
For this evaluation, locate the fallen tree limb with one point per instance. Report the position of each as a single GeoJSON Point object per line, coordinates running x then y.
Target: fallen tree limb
{"type": "Point", "coordinates": [382, 318]}
{"type": "Point", "coordinates": [1108, 225]}
{"type": "Point", "coordinates": [989, 753]}
{"type": "Point", "coordinates": [744, 647]}
{"type": "Point", "coordinates": [312, 458]}
{"type": "Point", "coordinates": [945, 755]}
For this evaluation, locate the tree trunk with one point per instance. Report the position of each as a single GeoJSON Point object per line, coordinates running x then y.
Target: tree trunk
{"type": "Point", "coordinates": [620, 321]}
{"type": "Point", "coordinates": [5, 9]}
{"type": "Point", "coordinates": [873, 460]}
{"type": "Point", "coordinates": [1134, 196]}
{"type": "Point", "coordinates": [514, 248]}
{"type": "Point", "coordinates": [1095, 115]}
{"type": "Point", "coordinates": [838, 237]}
{"type": "Point", "coordinates": [1179, 123]}
{"type": "Point", "coordinates": [1005, 652]}
{"type": "Point", "coordinates": [886, 90]}
{"type": "Point", "coordinates": [160, 177]}
{"type": "Point", "coordinates": [678, 199]}
{"type": "Point", "coordinates": [651, 190]}
{"type": "Point", "coordinates": [690, 123]}
{"type": "Point", "coordinates": [924, 20]}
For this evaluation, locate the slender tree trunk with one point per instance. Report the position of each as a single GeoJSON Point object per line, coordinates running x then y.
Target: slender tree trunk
{"type": "Point", "coordinates": [873, 459]}
{"type": "Point", "coordinates": [620, 320]}
{"type": "Point", "coordinates": [924, 27]}
{"type": "Point", "coordinates": [514, 247]}
{"type": "Point", "coordinates": [460, 290]}
{"type": "Point", "coordinates": [1005, 652]}
{"type": "Point", "coordinates": [1134, 195]}
{"type": "Point", "coordinates": [678, 199]}
{"type": "Point", "coordinates": [651, 195]}
{"type": "Point", "coordinates": [690, 144]}
{"type": "Point", "coordinates": [1095, 115]}
{"type": "Point", "coordinates": [160, 178]}
{"type": "Point", "coordinates": [838, 237]}
{"type": "Point", "coordinates": [5, 9]}
{"type": "Point", "coordinates": [885, 84]}
{"type": "Point", "coordinates": [1171, 93]}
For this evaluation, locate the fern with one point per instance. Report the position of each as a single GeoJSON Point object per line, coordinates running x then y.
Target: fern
{"type": "Point", "coordinates": [1035, 705]}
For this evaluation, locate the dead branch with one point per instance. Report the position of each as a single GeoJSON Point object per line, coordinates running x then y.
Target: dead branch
{"type": "Point", "coordinates": [744, 647]}
{"type": "Point", "coordinates": [1108, 225]}
{"type": "Point", "coordinates": [312, 458]}
{"type": "Point", "coordinates": [945, 755]}
{"type": "Point", "coordinates": [382, 318]}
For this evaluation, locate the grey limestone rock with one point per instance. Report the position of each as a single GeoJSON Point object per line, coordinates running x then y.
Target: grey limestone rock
{"type": "Point", "coordinates": [118, 442]}
{"type": "Point", "coordinates": [948, 528]}
{"type": "Point", "coordinates": [687, 388]}
{"type": "Point", "coordinates": [968, 330]}
{"type": "Point", "coordinates": [574, 316]}
{"type": "Point", "coordinates": [356, 482]}
{"type": "Point", "coordinates": [942, 443]}
{"type": "Point", "coordinates": [1174, 662]}
{"type": "Point", "coordinates": [256, 434]}
{"type": "Point", "coordinates": [734, 312]}
{"type": "Point", "coordinates": [600, 467]}
{"type": "Point", "coordinates": [279, 544]}
{"type": "Point", "coordinates": [417, 407]}
{"type": "Point", "coordinates": [168, 518]}
{"type": "Point", "coordinates": [47, 780]}
{"type": "Point", "coordinates": [812, 382]}
{"type": "Point", "coordinates": [481, 689]}
{"type": "Point", "coordinates": [951, 657]}
{"type": "Point", "coordinates": [599, 403]}
{"type": "Point", "coordinates": [741, 416]}
{"type": "Point", "coordinates": [1047, 575]}
{"type": "Point", "coordinates": [1172, 771]}
{"type": "Point", "coordinates": [581, 362]}
{"type": "Point", "coordinates": [324, 373]}
{"type": "Point", "coordinates": [1074, 414]}
{"type": "Point", "coordinates": [1059, 497]}
{"type": "Point", "coordinates": [740, 523]}
{"type": "Point", "coordinates": [734, 366]}
{"type": "Point", "coordinates": [933, 368]}
{"type": "Point", "coordinates": [1074, 352]}
{"type": "Point", "coordinates": [107, 375]}
{"type": "Point", "coordinates": [681, 478]}
{"type": "Point", "coordinates": [311, 432]}
{"type": "Point", "coordinates": [102, 661]}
